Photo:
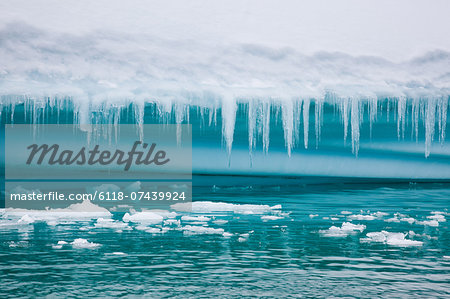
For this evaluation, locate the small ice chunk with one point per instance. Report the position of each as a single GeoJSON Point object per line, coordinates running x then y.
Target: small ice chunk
{"type": "Point", "coordinates": [83, 243]}
{"type": "Point", "coordinates": [220, 221]}
{"type": "Point", "coordinates": [271, 217]}
{"type": "Point", "coordinates": [240, 239]}
{"type": "Point", "coordinates": [109, 223]}
{"type": "Point", "coordinates": [25, 219]}
{"type": "Point", "coordinates": [361, 217]}
{"type": "Point", "coordinates": [379, 214]}
{"type": "Point", "coordinates": [227, 234]}
{"type": "Point", "coordinates": [172, 222]}
{"type": "Point", "coordinates": [410, 220]}
{"type": "Point", "coordinates": [393, 239]}
{"type": "Point", "coordinates": [394, 219]}
{"type": "Point", "coordinates": [143, 217]}
{"type": "Point", "coordinates": [433, 223]}
{"type": "Point", "coordinates": [118, 253]}
{"type": "Point", "coordinates": [438, 217]}
{"type": "Point", "coordinates": [62, 243]}
{"type": "Point", "coordinates": [313, 215]}
{"type": "Point", "coordinates": [195, 218]}
{"type": "Point", "coordinates": [209, 206]}
{"type": "Point", "coordinates": [52, 223]}
{"type": "Point", "coordinates": [343, 231]}
{"type": "Point", "coordinates": [346, 212]}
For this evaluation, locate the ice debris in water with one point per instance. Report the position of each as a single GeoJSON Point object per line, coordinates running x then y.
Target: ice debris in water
{"type": "Point", "coordinates": [83, 243]}
{"type": "Point", "coordinates": [110, 223]}
{"type": "Point", "coordinates": [195, 218]}
{"type": "Point", "coordinates": [83, 210]}
{"type": "Point", "coordinates": [270, 217]}
{"type": "Point", "coordinates": [433, 223]}
{"type": "Point", "coordinates": [394, 239]}
{"type": "Point", "coordinates": [343, 231]}
{"type": "Point", "coordinates": [26, 219]}
{"type": "Point", "coordinates": [143, 217]}
{"type": "Point", "coordinates": [209, 207]}
{"type": "Point", "coordinates": [438, 216]}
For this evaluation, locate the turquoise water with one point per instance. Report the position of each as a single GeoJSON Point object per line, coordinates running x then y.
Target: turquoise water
{"type": "Point", "coordinates": [262, 251]}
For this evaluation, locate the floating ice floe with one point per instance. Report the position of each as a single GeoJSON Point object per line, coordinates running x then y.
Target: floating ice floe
{"type": "Point", "coordinates": [343, 231]}
{"type": "Point", "coordinates": [410, 220]}
{"type": "Point", "coordinates": [394, 239]}
{"type": "Point", "coordinates": [209, 207]}
{"type": "Point", "coordinates": [172, 222]}
{"type": "Point", "coordinates": [195, 218]}
{"type": "Point", "coordinates": [313, 215]}
{"type": "Point", "coordinates": [26, 219]}
{"type": "Point", "coordinates": [143, 217]}
{"type": "Point", "coordinates": [110, 223]}
{"type": "Point", "coordinates": [83, 243]}
{"type": "Point", "coordinates": [220, 221]}
{"type": "Point", "coordinates": [361, 217]}
{"type": "Point", "coordinates": [79, 211]}
{"type": "Point", "coordinates": [433, 223]}
{"type": "Point", "coordinates": [59, 245]}
{"type": "Point", "coordinates": [438, 216]}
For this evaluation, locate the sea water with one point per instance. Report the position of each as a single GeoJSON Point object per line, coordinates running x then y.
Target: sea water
{"type": "Point", "coordinates": [279, 240]}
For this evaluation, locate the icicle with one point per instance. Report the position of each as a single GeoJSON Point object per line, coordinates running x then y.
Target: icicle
{"type": "Point", "coordinates": [179, 117]}
{"type": "Point", "coordinates": [287, 110]}
{"type": "Point", "coordinates": [297, 117]}
{"type": "Point", "coordinates": [139, 118]}
{"type": "Point", "coordinates": [318, 119]}
{"type": "Point", "coordinates": [345, 116]}
{"type": "Point", "coordinates": [306, 104]}
{"type": "Point", "coordinates": [430, 121]}
{"type": "Point", "coordinates": [251, 129]}
{"type": "Point", "coordinates": [442, 118]}
{"type": "Point", "coordinates": [266, 126]}
{"type": "Point", "coordinates": [373, 110]}
{"type": "Point", "coordinates": [13, 108]}
{"type": "Point", "coordinates": [229, 107]}
{"type": "Point", "coordinates": [401, 121]}
{"type": "Point", "coordinates": [355, 126]}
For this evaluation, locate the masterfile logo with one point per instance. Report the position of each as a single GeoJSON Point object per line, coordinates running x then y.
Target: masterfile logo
{"type": "Point", "coordinates": [89, 152]}
{"type": "Point", "coordinates": [52, 166]}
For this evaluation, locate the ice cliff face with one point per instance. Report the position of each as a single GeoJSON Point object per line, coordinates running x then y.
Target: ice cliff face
{"type": "Point", "coordinates": [268, 61]}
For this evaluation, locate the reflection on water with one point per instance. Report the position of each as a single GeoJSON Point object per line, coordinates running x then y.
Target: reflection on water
{"type": "Point", "coordinates": [227, 248]}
